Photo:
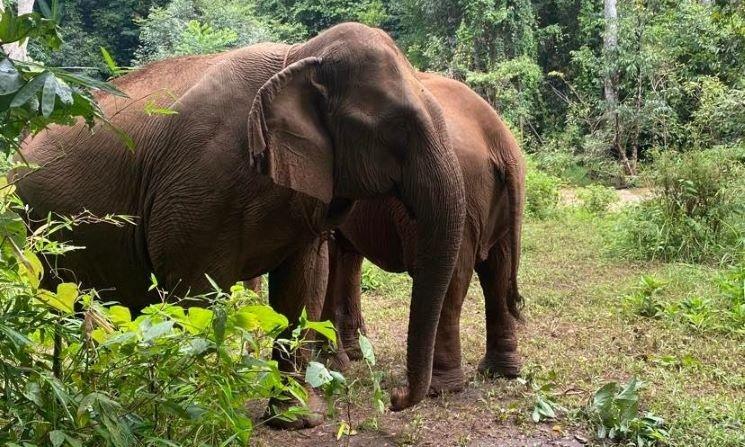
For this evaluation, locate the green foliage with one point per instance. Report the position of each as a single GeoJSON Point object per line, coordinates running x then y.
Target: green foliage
{"type": "Point", "coordinates": [645, 300]}
{"type": "Point", "coordinates": [197, 27]}
{"type": "Point", "coordinates": [542, 192]}
{"type": "Point", "coordinates": [300, 19]}
{"type": "Point", "coordinates": [718, 310]}
{"type": "Point", "coordinates": [597, 199]}
{"type": "Point", "coordinates": [88, 373]}
{"type": "Point", "coordinates": [541, 388]}
{"type": "Point", "coordinates": [614, 410]}
{"type": "Point", "coordinates": [371, 279]}
{"type": "Point", "coordinates": [33, 96]}
{"type": "Point", "coordinates": [698, 213]}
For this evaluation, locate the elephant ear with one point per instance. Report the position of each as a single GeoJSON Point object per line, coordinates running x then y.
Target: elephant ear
{"type": "Point", "coordinates": [286, 135]}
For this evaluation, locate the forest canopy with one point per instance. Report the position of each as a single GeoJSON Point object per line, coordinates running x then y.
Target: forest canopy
{"type": "Point", "coordinates": [591, 87]}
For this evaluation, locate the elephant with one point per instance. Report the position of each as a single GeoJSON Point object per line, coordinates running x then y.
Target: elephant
{"type": "Point", "coordinates": [382, 230]}
{"type": "Point", "coordinates": [262, 151]}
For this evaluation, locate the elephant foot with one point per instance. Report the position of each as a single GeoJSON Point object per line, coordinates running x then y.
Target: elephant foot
{"type": "Point", "coordinates": [339, 360]}
{"type": "Point", "coordinates": [314, 417]}
{"type": "Point", "coordinates": [352, 348]}
{"type": "Point", "coordinates": [503, 364]}
{"type": "Point", "coordinates": [446, 381]}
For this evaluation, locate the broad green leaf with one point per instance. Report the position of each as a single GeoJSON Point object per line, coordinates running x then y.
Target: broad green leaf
{"type": "Point", "coordinates": [110, 63]}
{"type": "Point", "coordinates": [269, 320]}
{"type": "Point", "coordinates": [57, 437]}
{"type": "Point", "coordinates": [19, 340]}
{"type": "Point", "coordinates": [10, 79]}
{"type": "Point", "coordinates": [67, 295]}
{"type": "Point", "coordinates": [120, 315]}
{"type": "Point", "coordinates": [367, 350]}
{"type": "Point", "coordinates": [73, 442]}
{"type": "Point", "coordinates": [64, 92]}
{"type": "Point", "coordinates": [30, 269]}
{"type": "Point", "coordinates": [63, 301]}
{"type": "Point", "coordinates": [198, 320]}
{"type": "Point", "coordinates": [218, 324]}
{"type": "Point", "coordinates": [246, 320]}
{"type": "Point", "coordinates": [150, 333]}
{"type": "Point", "coordinates": [33, 393]}
{"type": "Point", "coordinates": [119, 339]}
{"type": "Point", "coordinates": [325, 328]}
{"type": "Point", "coordinates": [99, 335]}
{"type": "Point", "coordinates": [317, 375]}
{"type": "Point", "coordinates": [30, 89]}
{"type": "Point", "coordinates": [48, 96]}
{"type": "Point", "coordinates": [196, 346]}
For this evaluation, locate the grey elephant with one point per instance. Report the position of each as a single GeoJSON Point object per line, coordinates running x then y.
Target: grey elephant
{"type": "Point", "coordinates": [269, 147]}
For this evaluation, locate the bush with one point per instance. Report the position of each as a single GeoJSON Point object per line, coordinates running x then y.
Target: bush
{"type": "Point", "coordinates": [698, 212]}
{"type": "Point", "coordinates": [614, 412]}
{"type": "Point", "coordinates": [645, 300]}
{"type": "Point", "coordinates": [596, 198]}
{"type": "Point", "coordinates": [542, 192]}
{"type": "Point", "coordinates": [77, 371]}
{"type": "Point", "coordinates": [371, 279]}
{"type": "Point", "coordinates": [719, 309]}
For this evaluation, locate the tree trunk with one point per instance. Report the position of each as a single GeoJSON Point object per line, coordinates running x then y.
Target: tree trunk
{"type": "Point", "coordinates": [610, 80]}
{"type": "Point", "coordinates": [17, 50]}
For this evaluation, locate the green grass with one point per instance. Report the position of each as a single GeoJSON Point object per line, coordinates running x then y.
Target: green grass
{"type": "Point", "coordinates": [577, 331]}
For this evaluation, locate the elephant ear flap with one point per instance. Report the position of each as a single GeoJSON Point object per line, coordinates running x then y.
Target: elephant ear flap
{"type": "Point", "coordinates": [287, 138]}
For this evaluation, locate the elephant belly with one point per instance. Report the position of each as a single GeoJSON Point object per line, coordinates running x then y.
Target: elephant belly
{"type": "Point", "coordinates": [222, 231]}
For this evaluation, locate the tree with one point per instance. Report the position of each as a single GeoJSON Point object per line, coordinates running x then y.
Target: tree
{"type": "Point", "coordinates": [610, 80]}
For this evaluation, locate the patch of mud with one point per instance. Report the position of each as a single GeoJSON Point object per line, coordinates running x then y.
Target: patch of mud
{"type": "Point", "coordinates": [625, 196]}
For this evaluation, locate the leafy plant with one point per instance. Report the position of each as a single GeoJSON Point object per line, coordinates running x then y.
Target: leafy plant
{"type": "Point", "coordinates": [541, 387]}
{"type": "Point", "coordinates": [698, 213]}
{"type": "Point", "coordinates": [597, 198]}
{"type": "Point", "coordinates": [614, 410]}
{"type": "Point", "coordinates": [33, 96]}
{"type": "Point", "coordinates": [542, 193]}
{"type": "Point", "coordinates": [371, 278]}
{"type": "Point", "coordinates": [696, 311]}
{"type": "Point", "coordinates": [645, 300]}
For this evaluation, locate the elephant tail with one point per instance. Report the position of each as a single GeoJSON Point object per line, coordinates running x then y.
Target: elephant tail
{"type": "Point", "coordinates": [510, 167]}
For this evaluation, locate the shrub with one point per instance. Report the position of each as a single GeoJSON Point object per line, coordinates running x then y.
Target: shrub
{"type": "Point", "coordinates": [542, 192]}
{"type": "Point", "coordinates": [645, 300]}
{"type": "Point", "coordinates": [614, 411]}
{"type": "Point", "coordinates": [698, 212]}
{"type": "Point", "coordinates": [82, 372]}
{"type": "Point", "coordinates": [371, 279]}
{"type": "Point", "coordinates": [596, 199]}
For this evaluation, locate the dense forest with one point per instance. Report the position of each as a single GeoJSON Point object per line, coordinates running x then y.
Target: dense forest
{"type": "Point", "coordinates": [631, 117]}
{"type": "Point", "coordinates": [590, 87]}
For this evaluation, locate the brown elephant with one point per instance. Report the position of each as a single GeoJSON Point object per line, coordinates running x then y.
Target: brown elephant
{"type": "Point", "coordinates": [383, 231]}
{"type": "Point", "coordinates": [268, 148]}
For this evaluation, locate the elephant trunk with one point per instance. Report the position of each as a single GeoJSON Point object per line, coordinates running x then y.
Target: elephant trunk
{"type": "Point", "coordinates": [435, 195]}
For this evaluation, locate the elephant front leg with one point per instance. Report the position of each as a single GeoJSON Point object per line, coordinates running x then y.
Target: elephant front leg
{"type": "Point", "coordinates": [296, 284]}
{"type": "Point", "coordinates": [501, 357]}
{"type": "Point", "coordinates": [447, 372]}
{"type": "Point", "coordinates": [343, 305]}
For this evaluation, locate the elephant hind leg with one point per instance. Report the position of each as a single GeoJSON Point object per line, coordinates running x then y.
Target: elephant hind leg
{"type": "Point", "coordinates": [501, 357]}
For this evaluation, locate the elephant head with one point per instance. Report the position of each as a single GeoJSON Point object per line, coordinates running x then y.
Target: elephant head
{"type": "Point", "coordinates": [347, 119]}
